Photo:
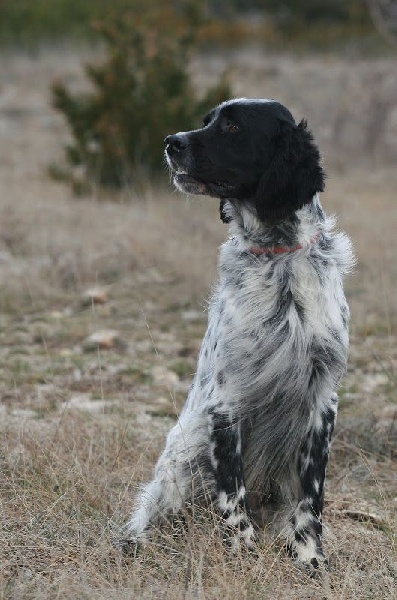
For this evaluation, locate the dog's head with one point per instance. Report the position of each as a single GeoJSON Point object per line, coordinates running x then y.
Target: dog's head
{"type": "Point", "coordinates": [250, 151]}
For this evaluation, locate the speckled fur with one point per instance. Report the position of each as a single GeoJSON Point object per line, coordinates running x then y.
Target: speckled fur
{"type": "Point", "coordinates": [254, 434]}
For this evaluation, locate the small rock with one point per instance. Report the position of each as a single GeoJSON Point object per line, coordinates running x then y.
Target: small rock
{"type": "Point", "coordinates": [116, 369]}
{"type": "Point", "coordinates": [56, 314]}
{"type": "Point", "coordinates": [192, 315]}
{"type": "Point", "coordinates": [387, 422]}
{"type": "Point", "coordinates": [107, 339]}
{"type": "Point", "coordinates": [373, 380]}
{"type": "Point", "coordinates": [390, 412]}
{"type": "Point", "coordinates": [143, 418]}
{"type": "Point", "coordinates": [94, 295]}
{"type": "Point", "coordinates": [24, 413]}
{"type": "Point", "coordinates": [85, 403]}
{"type": "Point", "coordinates": [65, 352]}
{"type": "Point", "coordinates": [163, 376]}
{"type": "Point", "coordinates": [26, 574]}
{"type": "Point", "coordinates": [162, 401]}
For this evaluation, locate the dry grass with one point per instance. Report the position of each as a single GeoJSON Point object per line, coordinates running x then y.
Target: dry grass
{"type": "Point", "coordinates": [80, 429]}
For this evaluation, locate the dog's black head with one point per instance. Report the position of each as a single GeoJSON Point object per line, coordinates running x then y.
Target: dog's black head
{"type": "Point", "coordinates": [251, 151]}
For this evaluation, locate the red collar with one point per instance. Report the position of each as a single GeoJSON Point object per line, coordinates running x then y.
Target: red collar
{"type": "Point", "coordinates": [258, 251]}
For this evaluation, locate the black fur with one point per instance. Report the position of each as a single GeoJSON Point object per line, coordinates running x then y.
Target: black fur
{"type": "Point", "coordinates": [267, 160]}
{"type": "Point", "coordinates": [255, 431]}
{"type": "Point", "coordinates": [293, 176]}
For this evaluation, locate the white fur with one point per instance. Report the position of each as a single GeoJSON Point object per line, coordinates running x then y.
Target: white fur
{"type": "Point", "coordinates": [266, 352]}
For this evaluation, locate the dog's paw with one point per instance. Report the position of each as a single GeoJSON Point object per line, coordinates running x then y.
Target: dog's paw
{"type": "Point", "coordinates": [129, 544]}
{"type": "Point", "coordinates": [303, 540]}
{"type": "Point", "coordinates": [317, 566]}
{"type": "Point", "coordinates": [240, 540]}
{"type": "Point", "coordinates": [309, 556]}
{"type": "Point", "coordinates": [128, 547]}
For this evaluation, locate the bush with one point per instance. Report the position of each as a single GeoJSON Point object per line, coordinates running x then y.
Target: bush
{"type": "Point", "coordinates": [140, 93]}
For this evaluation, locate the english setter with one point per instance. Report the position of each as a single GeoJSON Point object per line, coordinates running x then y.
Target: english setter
{"type": "Point", "coordinates": [255, 431]}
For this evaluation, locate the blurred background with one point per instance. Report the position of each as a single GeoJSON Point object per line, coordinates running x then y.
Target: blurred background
{"type": "Point", "coordinates": [105, 272]}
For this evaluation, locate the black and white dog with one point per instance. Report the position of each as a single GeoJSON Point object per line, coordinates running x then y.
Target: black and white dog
{"type": "Point", "coordinates": [255, 431]}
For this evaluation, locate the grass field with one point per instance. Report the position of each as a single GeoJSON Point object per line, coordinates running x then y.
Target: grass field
{"type": "Point", "coordinates": [82, 426]}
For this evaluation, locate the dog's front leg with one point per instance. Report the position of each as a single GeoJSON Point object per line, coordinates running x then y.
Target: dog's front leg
{"type": "Point", "coordinates": [305, 526]}
{"type": "Point", "coordinates": [230, 494]}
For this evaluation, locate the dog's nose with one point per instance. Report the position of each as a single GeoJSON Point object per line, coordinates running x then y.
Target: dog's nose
{"type": "Point", "coordinates": [176, 142]}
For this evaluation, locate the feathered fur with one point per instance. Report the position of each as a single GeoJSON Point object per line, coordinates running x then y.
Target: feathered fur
{"type": "Point", "coordinates": [255, 430]}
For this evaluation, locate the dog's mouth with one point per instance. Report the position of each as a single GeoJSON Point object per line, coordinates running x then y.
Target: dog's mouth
{"type": "Point", "coordinates": [181, 173]}
{"type": "Point", "coordinates": [182, 180]}
{"type": "Point", "coordinates": [190, 184]}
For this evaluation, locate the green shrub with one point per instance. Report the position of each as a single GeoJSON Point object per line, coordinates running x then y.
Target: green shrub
{"type": "Point", "coordinates": [26, 22]}
{"type": "Point", "coordinates": [140, 93]}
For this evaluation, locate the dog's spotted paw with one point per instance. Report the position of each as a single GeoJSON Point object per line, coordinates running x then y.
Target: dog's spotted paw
{"type": "Point", "coordinates": [129, 544]}
{"type": "Point", "coordinates": [241, 540]}
{"type": "Point", "coordinates": [127, 547]}
{"type": "Point", "coordinates": [308, 554]}
{"type": "Point", "coordinates": [316, 567]}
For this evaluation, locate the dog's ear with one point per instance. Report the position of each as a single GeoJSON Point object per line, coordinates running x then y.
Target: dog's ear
{"type": "Point", "coordinates": [293, 176]}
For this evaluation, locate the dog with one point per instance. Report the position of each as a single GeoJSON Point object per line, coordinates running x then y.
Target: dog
{"type": "Point", "coordinates": [254, 434]}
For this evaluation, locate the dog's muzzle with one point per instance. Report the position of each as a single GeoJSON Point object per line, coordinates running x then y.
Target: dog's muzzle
{"type": "Point", "coordinates": [175, 144]}
{"type": "Point", "coordinates": [176, 156]}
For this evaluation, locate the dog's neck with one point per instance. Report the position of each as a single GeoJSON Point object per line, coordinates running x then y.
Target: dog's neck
{"type": "Point", "coordinates": [300, 228]}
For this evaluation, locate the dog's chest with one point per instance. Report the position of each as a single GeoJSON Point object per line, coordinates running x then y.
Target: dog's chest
{"type": "Point", "coordinates": [271, 322]}
{"type": "Point", "coordinates": [267, 316]}
{"type": "Point", "coordinates": [260, 297]}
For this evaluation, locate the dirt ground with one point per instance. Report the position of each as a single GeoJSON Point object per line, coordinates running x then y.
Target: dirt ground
{"type": "Point", "coordinates": [82, 422]}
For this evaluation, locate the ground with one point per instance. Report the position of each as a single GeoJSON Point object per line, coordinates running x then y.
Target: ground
{"type": "Point", "coordinates": [82, 422]}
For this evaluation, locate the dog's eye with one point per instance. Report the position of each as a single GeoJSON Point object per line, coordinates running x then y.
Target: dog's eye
{"type": "Point", "coordinates": [229, 126]}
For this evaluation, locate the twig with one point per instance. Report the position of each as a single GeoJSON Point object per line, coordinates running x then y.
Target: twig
{"type": "Point", "coordinates": [359, 515]}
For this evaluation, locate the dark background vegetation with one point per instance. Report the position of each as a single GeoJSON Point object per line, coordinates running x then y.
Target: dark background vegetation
{"type": "Point", "coordinates": [117, 127]}
{"type": "Point", "coordinates": [27, 21]}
